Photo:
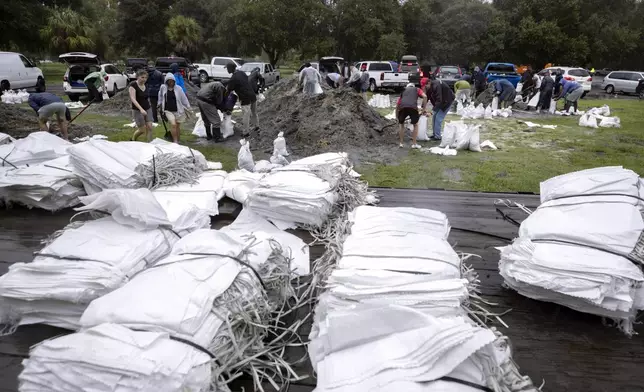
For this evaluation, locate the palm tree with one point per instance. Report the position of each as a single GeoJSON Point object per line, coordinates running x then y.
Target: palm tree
{"type": "Point", "coordinates": [66, 30]}
{"type": "Point", "coordinates": [184, 33]}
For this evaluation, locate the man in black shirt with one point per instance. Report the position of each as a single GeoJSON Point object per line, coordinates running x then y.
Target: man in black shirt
{"type": "Point", "coordinates": [241, 86]}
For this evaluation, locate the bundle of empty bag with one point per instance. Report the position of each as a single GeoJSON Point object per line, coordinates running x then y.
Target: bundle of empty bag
{"type": "Point", "coordinates": [90, 258]}
{"type": "Point", "coordinates": [395, 310]}
{"type": "Point", "coordinates": [582, 248]}
{"type": "Point", "coordinates": [6, 139]}
{"type": "Point", "coordinates": [50, 185]}
{"type": "Point", "coordinates": [209, 299]}
{"type": "Point", "coordinates": [36, 148]}
{"type": "Point", "coordinates": [106, 165]}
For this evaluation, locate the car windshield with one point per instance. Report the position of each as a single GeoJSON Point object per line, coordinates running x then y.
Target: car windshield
{"type": "Point", "coordinates": [578, 72]}
{"type": "Point", "coordinates": [500, 68]}
{"type": "Point", "coordinates": [448, 70]}
{"type": "Point", "coordinates": [248, 67]}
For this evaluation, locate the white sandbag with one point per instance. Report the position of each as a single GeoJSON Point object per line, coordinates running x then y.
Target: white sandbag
{"type": "Point", "coordinates": [459, 108]}
{"type": "Point", "coordinates": [36, 148]}
{"type": "Point", "coordinates": [495, 103]}
{"type": "Point", "coordinates": [81, 264]}
{"type": "Point", "coordinates": [519, 88]}
{"type": "Point", "coordinates": [380, 101]}
{"type": "Point", "coordinates": [200, 128]}
{"type": "Point", "coordinates": [239, 183]}
{"type": "Point", "coordinates": [534, 101]}
{"type": "Point", "coordinates": [261, 97]}
{"type": "Point", "coordinates": [475, 138]}
{"type": "Point", "coordinates": [449, 133]}
{"type": "Point", "coordinates": [479, 112]}
{"type": "Point", "coordinates": [553, 107]}
{"type": "Point", "coordinates": [245, 157]}
{"type": "Point", "coordinates": [588, 120]}
{"type": "Point", "coordinates": [443, 151]}
{"type": "Point", "coordinates": [129, 361]}
{"type": "Point", "coordinates": [265, 166]}
{"type": "Point", "coordinates": [6, 139]}
{"type": "Point", "coordinates": [279, 145]}
{"type": "Point", "coordinates": [277, 159]}
{"type": "Point", "coordinates": [179, 200]}
{"type": "Point", "coordinates": [422, 129]}
{"type": "Point", "coordinates": [227, 126]}
{"type": "Point", "coordinates": [334, 159]}
{"type": "Point", "coordinates": [610, 122]}
{"type": "Point", "coordinates": [488, 113]}
{"type": "Point", "coordinates": [469, 111]}
{"type": "Point", "coordinates": [488, 144]}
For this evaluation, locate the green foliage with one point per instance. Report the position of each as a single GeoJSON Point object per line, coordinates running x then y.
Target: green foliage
{"type": "Point", "coordinates": [185, 34]}
{"type": "Point", "coordinates": [391, 46]}
{"type": "Point", "coordinates": [66, 30]}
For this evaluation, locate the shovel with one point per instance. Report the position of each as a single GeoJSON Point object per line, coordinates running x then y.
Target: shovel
{"type": "Point", "coordinates": [167, 135]}
{"type": "Point", "coordinates": [81, 112]}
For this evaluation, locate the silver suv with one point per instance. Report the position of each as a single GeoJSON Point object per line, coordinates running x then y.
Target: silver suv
{"type": "Point", "coordinates": [622, 81]}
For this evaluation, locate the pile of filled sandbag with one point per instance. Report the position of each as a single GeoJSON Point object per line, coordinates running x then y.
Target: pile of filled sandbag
{"type": "Point", "coordinates": [36, 148]}
{"type": "Point", "coordinates": [107, 165]}
{"type": "Point", "coordinates": [599, 117]}
{"type": "Point", "coordinates": [50, 185]}
{"type": "Point", "coordinates": [246, 162]}
{"type": "Point", "coordinates": [396, 310]}
{"type": "Point", "coordinates": [461, 136]}
{"type": "Point", "coordinates": [15, 97]}
{"type": "Point", "coordinates": [88, 259]}
{"type": "Point", "coordinates": [582, 248]}
{"type": "Point", "coordinates": [193, 321]}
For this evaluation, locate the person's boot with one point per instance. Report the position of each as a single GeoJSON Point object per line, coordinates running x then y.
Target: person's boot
{"type": "Point", "coordinates": [217, 135]}
{"type": "Point", "coordinates": [208, 133]}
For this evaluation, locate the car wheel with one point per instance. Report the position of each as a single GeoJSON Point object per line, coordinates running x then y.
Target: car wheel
{"type": "Point", "coordinates": [4, 86]}
{"type": "Point", "coordinates": [74, 97]}
{"type": "Point", "coordinates": [203, 77]}
{"type": "Point", "coordinates": [372, 85]}
{"type": "Point", "coordinates": [610, 89]}
{"type": "Point", "coordinates": [40, 85]}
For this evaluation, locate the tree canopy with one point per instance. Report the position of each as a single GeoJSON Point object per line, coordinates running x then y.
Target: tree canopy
{"type": "Point", "coordinates": [596, 33]}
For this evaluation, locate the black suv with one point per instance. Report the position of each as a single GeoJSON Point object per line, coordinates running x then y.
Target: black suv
{"type": "Point", "coordinates": [132, 65]}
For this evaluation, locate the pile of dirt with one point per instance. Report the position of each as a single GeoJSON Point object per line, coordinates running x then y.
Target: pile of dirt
{"type": "Point", "coordinates": [338, 120]}
{"type": "Point", "coordinates": [19, 122]}
{"type": "Point", "coordinates": [121, 105]}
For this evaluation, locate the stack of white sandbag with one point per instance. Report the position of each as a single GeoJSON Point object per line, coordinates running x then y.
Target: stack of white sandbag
{"type": "Point", "coordinates": [227, 126]}
{"type": "Point", "coordinates": [15, 97]}
{"type": "Point", "coordinates": [461, 136]}
{"type": "Point", "coordinates": [214, 294]}
{"type": "Point", "coordinates": [395, 311]}
{"type": "Point", "coordinates": [582, 248]}
{"type": "Point", "coordinates": [50, 185]}
{"type": "Point", "coordinates": [239, 183]}
{"type": "Point", "coordinates": [107, 165]}
{"type": "Point", "coordinates": [125, 360]}
{"type": "Point", "coordinates": [89, 259]}
{"type": "Point", "coordinates": [599, 117]}
{"type": "Point", "coordinates": [36, 148]}
{"type": "Point", "coordinates": [203, 195]}
{"type": "Point", "coordinates": [380, 101]}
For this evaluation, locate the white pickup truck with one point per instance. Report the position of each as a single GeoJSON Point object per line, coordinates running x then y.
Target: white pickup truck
{"type": "Point", "coordinates": [382, 75]}
{"type": "Point", "coordinates": [216, 70]}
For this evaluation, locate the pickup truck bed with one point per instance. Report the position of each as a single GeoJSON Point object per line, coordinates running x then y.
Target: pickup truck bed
{"type": "Point", "coordinates": [495, 71]}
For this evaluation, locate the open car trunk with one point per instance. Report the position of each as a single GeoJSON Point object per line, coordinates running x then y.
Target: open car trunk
{"type": "Point", "coordinates": [78, 72]}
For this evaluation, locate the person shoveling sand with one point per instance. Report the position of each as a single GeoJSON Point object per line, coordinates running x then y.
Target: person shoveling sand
{"type": "Point", "coordinates": [19, 122]}
{"type": "Point", "coordinates": [337, 120]}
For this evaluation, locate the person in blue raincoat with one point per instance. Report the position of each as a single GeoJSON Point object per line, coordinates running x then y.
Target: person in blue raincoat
{"type": "Point", "coordinates": [174, 67]}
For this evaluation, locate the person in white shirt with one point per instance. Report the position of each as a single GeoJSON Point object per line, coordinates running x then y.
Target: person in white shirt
{"type": "Point", "coordinates": [310, 79]}
{"type": "Point", "coordinates": [334, 80]}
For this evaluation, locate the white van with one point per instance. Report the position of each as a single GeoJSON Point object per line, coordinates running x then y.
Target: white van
{"type": "Point", "coordinates": [18, 72]}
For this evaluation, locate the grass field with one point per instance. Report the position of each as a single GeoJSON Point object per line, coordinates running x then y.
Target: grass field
{"type": "Point", "coordinates": [524, 158]}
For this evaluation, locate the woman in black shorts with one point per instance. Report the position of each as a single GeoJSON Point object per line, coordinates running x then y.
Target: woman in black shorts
{"type": "Point", "coordinates": [141, 108]}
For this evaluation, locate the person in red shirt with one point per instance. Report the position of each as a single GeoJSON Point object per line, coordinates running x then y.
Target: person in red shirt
{"type": "Point", "coordinates": [407, 106]}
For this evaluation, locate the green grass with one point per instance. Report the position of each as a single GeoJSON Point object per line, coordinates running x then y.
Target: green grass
{"type": "Point", "coordinates": [524, 158]}
{"type": "Point", "coordinates": [53, 72]}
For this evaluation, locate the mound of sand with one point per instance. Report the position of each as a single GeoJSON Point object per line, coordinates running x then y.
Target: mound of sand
{"type": "Point", "coordinates": [120, 104]}
{"type": "Point", "coordinates": [338, 120]}
{"type": "Point", "coordinates": [19, 122]}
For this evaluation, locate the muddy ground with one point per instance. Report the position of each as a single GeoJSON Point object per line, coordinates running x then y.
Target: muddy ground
{"type": "Point", "coordinates": [338, 120]}
{"type": "Point", "coordinates": [19, 122]}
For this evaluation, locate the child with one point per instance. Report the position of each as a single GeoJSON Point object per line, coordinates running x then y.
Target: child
{"type": "Point", "coordinates": [174, 103]}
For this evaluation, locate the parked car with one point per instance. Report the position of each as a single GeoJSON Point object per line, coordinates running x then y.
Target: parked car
{"type": "Point", "coordinates": [495, 71]}
{"type": "Point", "coordinates": [189, 71]}
{"type": "Point", "coordinates": [409, 64]}
{"type": "Point", "coordinates": [603, 72]}
{"type": "Point", "coordinates": [330, 64]}
{"type": "Point", "coordinates": [131, 65]}
{"type": "Point", "coordinates": [576, 74]}
{"type": "Point", "coordinates": [270, 75]}
{"type": "Point", "coordinates": [622, 82]}
{"type": "Point", "coordinates": [81, 64]}
{"type": "Point", "coordinates": [18, 72]}
{"type": "Point", "coordinates": [449, 74]}
{"type": "Point", "coordinates": [216, 69]}
{"type": "Point", "coordinates": [383, 75]}
{"type": "Point", "coordinates": [313, 64]}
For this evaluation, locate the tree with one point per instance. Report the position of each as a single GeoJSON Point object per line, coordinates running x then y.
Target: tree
{"type": "Point", "coordinates": [141, 26]}
{"type": "Point", "coordinates": [66, 30]}
{"type": "Point", "coordinates": [21, 22]}
{"type": "Point", "coordinates": [185, 34]}
{"type": "Point", "coordinates": [391, 46]}
{"type": "Point", "coordinates": [275, 26]}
